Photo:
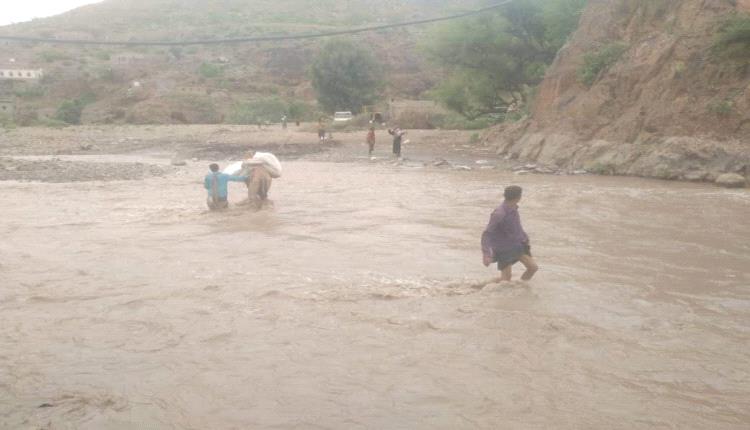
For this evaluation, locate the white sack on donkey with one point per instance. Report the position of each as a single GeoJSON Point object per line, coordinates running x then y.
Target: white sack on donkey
{"type": "Point", "coordinates": [266, 159]}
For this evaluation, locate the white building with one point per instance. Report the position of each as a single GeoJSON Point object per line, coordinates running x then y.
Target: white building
{"type": "Point", "coordinates": [127, 58]}
{"type": "Point", "coordinates": [24, 74]}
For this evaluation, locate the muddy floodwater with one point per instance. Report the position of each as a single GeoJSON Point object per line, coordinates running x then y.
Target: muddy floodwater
{"type": "Point", "coordinates": [353, 304]}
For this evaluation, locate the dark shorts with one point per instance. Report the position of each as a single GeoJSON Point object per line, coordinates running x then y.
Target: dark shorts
{"type": "Point", "coordinates": [512, 256]}
{"type": "Point", "coordinates": [217, 203]}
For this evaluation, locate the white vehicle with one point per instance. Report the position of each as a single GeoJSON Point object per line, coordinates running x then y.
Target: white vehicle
{"type": "Point", "coordinates": [343, 116]}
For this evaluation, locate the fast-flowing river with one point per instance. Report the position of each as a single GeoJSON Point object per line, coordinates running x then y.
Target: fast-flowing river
{"type": "Point", "coordinates": [351, 305]}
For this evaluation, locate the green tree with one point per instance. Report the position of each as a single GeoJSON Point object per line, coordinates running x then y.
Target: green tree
{"type": "Point", "coordinates": [493, 60]}
{"type": "Point", "coordinates": [70, 111]}
{"type": "Point", "coordinates": [346, 77]}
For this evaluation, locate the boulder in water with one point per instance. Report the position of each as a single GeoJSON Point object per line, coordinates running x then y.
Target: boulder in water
{"type": "Point", "coordinates": [731, 180]}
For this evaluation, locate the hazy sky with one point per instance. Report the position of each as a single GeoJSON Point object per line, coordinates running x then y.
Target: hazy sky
{"type": "Point", "coordinates": [24, 10]}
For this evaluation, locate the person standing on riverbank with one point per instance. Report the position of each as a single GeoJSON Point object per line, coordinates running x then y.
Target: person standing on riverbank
{"type": "Point", "coordinates": [371, 140]}
{"type": "Point", "coordinates": [398, 136]}
{"type": "Point", "coordinates": [505, 242]}
{"type": "Point", "coordinates": [216, 183]}
{"type": "Point", "coordinates": [321, 129]}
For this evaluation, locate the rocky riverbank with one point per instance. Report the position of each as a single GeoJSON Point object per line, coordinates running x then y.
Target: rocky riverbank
{"type": "Point", "coordinates": [670, 106]}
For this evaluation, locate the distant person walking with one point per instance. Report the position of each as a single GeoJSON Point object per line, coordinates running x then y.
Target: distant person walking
{"type": "Point", "coordinates": [371, 140]}
{"type": "Point", "coordinates": [321, 129]}
{"type": "Point", "coordinates": [216, 183]}
{"type": "Point", "coordinates": [398, 136]}
{"type": "Point", "coordinates": [505, 242]}
{"type": "Point", "coordinates": [283, 122]}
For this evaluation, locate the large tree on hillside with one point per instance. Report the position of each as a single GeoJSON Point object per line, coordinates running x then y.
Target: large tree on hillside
{"type": "Point", "coordinates": [346, 77]}
{"type": "Point", "coordinates": [492, 60]}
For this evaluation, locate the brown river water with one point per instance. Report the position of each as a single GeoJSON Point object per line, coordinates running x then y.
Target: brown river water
{"type": "Point", "coordinates": [352, 304]}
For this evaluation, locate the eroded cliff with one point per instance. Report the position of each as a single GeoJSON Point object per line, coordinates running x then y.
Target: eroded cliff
{"type": "Point", "coordinates": [640, 89]}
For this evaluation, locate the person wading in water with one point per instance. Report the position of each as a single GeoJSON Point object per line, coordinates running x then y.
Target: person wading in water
{"type": "Point", "coordinates": [505, 242]}
{"type": "Point", "coordinates": [216, 183]}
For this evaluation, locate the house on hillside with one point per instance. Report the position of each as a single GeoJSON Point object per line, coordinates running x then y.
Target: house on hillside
{"type": "Point", "coordinates": [21, 74]}
{"type": "Point", "coordinates": [126, 58]}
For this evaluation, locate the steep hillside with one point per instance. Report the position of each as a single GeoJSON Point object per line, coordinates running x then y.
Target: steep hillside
{"type": "Point", "coordinates": [203, 83]}
{"type": "Point", "coordinates": [642, 90]}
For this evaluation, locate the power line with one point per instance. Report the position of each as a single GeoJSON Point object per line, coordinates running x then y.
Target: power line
{"type": "Point", "coordinates": [258, 38]}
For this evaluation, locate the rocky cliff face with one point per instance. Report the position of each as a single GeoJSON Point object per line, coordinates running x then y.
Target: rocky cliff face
{"type": "Point", "coordinates": [668, 107]}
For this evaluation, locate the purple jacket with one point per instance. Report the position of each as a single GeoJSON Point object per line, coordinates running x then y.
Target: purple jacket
{"type": "Point", "coordinates": [504, 231]}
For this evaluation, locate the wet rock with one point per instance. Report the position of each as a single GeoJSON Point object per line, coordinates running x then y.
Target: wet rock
{"type": "Point", "coordinates": [545, 171]}
{"type": "Point", "coordinates": [731, 180]}
{"type": "Point", "coordinates": [179, 162]}
{"type": "Point", "coordinates": [441, 163]}
{"type": "Point", "coordinates": [695, 176]}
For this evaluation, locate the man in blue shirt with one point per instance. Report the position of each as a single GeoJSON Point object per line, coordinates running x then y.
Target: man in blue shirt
{"type": "Point", "coordinates": [216, 183]}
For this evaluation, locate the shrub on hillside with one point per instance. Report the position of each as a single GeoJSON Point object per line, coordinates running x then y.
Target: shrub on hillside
{"type": "Point", "coordinates": [721, 107]}
{"type": "Point", "coordinates": [208, 70]}
{"type": "Point", "coordinates": [258, 111]}
{"type": "Point", "coordinates": [416, 120]}
{"type": "Point", "coordinates": [301, 111]}
{"type": "Point", "coordinates": [70, 111]}
{"type": "Point", "coordinates": [26, 116]}
{"type": "Point", "coordinates": [594, 63]}
{"type": "Point", "coordinates": [454, 121]}
{"type": "Point", "coordinates": [272, 109]}
{"type": "Point", "coordinates": [30, 92]}
{"type": "Point", "coordinates": [194, 109]}
{"type": "Point", "coordinates": [50, 56]}
{"type": "Point", "coordinates": [6, 121]}
{"type": "Point", "coordinates": [102, 55]}
{"type": "Point", "coordinates": [734, 37]}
